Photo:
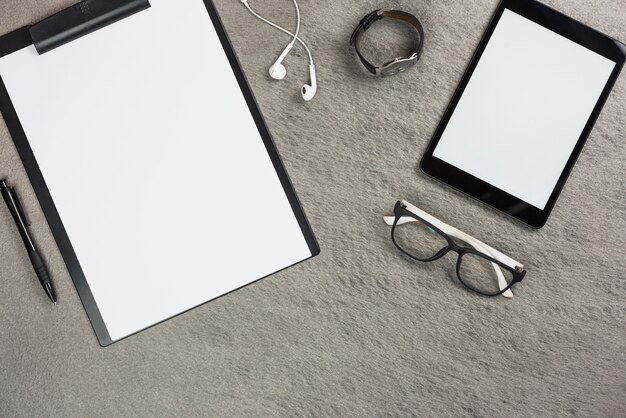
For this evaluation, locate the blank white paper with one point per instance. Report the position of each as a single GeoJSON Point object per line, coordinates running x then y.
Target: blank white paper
{"type": "Point", "coordinates": [524, 109]}
{"type": "Point", "coordinates": [155, 164]}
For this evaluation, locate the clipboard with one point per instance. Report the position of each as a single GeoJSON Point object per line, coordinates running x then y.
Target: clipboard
{"type": "Point", "coordinates": [149, 157]}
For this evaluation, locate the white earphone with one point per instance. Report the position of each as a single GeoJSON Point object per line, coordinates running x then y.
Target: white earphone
{"type": "Point", "coordinates": [277, 70]}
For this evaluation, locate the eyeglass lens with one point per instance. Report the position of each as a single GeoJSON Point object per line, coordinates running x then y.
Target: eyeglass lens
{"type": "Point", "coordinates": [419, 240]}
{"type": "Point", "coordinates": [480, 274]}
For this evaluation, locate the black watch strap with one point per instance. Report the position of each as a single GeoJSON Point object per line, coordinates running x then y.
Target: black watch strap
{"type": "Point", "coordinates": [376, 15]}
{"type": "Point", "coordinates": [364, 25]}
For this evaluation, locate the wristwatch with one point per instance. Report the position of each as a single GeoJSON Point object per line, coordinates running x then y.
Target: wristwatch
{"type": "Point", "coordinates": [397, 64]}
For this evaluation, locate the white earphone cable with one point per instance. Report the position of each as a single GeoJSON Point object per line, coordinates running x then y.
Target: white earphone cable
{"type": "Point", "coordinates": [295, 36]}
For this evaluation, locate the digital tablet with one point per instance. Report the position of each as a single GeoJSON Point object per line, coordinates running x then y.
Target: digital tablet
{"type": "Point", "coordinates": [524, 109]}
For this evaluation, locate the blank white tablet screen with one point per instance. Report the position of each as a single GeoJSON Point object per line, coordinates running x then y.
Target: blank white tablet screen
{"type": "Point", "coordinates": [524, 109]}
{"type": "Point", "coordinates": [155, 164]}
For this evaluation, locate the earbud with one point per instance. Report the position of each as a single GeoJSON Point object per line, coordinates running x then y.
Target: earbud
{"type": "Point", "coordinates": [308, 91]}
{"type": "Point", "coordinates": [278, 70]}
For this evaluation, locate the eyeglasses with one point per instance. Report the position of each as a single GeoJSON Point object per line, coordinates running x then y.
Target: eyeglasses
{"type": "Point", "coordinates": [480, 268]}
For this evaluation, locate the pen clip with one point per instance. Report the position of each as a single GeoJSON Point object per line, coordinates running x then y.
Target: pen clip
{"type": "Point", "coordinates": [18, 204]}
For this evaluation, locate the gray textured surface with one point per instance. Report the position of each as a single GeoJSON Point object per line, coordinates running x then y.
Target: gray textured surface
{"type": "Point", "coordinates": [358, 330]}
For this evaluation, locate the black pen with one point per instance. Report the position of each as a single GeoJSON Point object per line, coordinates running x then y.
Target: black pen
{"type": "Point", "coordinates": [10, 197]}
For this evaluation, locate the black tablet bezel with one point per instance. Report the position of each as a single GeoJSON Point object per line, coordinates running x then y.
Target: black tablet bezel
{"type": "Point", "coordinates": [483, 191]}
{"type": "Point", "coordinates": [20, 39]}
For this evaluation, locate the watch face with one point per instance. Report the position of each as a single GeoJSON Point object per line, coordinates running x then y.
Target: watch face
{"type": "Point", "coordinates": [397, 66]}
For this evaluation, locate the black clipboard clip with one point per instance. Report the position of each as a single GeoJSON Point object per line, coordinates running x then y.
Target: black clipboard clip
{"type": "Point", "coordinates": [81, 19]}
